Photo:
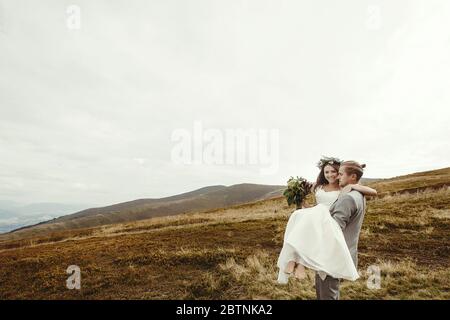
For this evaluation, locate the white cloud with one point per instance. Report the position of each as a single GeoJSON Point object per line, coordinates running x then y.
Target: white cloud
{"type": "Point", "coordinates": [87, 115]}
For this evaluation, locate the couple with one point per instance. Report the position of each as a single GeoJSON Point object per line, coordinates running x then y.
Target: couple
{"type": "Point", "coordinates": [325, 237]}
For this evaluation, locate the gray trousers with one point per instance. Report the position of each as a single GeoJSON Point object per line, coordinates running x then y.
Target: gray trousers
{"type": "Point", "coordinates": [327, 289]}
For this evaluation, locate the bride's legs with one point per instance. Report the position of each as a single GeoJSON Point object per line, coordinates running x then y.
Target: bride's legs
{"type": "Point", "coordinates": [290, 267]}
{"type": "Point", "coordinates": [300, 272]}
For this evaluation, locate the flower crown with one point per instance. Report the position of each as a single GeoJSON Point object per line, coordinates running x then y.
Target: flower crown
{"type": "Point", "coordinates": [328, 160]}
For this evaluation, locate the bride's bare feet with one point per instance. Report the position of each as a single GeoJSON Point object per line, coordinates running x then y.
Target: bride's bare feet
{"type": "Point", "coordinates": [300, 272]}
{"type": "Point", "coordinates": [290, 267]}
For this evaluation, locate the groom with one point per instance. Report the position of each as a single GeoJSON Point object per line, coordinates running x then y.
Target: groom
{"type": "Point", "coordinates": [348, 211]}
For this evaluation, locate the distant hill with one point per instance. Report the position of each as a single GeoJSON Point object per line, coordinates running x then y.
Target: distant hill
{"type": "Point", "coordinates": [14, 215]}
{"type": "Point", "coordinates": [204, 199]}
{"type": "Point", "coordinates": [366, 181]}
{"type": "Point", "coordinates": [414, 182]}
{"type": "Point", "coordinates": [207, 198]}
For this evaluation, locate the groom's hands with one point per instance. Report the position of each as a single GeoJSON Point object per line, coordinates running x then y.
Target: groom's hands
{"type": "Point", "coordinates": [310, 185]}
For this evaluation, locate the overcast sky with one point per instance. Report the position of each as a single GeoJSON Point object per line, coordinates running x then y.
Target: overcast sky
{"type": "Point", "coordinates": [91, 100]}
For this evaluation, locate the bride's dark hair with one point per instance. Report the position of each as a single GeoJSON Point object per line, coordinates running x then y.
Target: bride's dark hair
{"type": "Point", "coordinates": [326, 161]}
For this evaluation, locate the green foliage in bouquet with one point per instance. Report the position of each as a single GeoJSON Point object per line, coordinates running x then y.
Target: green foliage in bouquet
{"type": "Point", "coordinates": [297, 190]}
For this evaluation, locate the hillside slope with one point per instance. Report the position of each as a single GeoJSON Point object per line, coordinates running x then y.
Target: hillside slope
{"type": "Point", "coordinates": [207, 198]}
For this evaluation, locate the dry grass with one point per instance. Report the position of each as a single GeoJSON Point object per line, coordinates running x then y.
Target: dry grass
{"type": "Point", "coordinates": [413, 182]}
{"type": "Point", "coordinates": [231, 254]}
{"type": "Point", "coordinates": [256, 279]}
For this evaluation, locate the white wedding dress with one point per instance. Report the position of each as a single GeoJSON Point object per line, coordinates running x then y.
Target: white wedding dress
{"type": "Point", "coordinates": [314, 239]}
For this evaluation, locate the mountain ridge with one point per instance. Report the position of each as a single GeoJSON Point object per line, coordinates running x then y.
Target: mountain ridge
{"type": "Point", "coordinates": [206, 198]}
{"type": "Point", "coordinates": [202, 199]}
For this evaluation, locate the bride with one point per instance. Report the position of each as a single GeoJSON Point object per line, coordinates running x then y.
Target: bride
{"type": "Point", "coordinates": [313, 238]}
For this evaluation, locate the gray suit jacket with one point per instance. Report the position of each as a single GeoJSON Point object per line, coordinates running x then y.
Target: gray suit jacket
{"type": "Point", "coordinates": [348, 211]}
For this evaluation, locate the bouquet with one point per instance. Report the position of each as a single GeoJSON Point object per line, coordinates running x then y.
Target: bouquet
{"type": "Point", "coordinates": [297, 190]}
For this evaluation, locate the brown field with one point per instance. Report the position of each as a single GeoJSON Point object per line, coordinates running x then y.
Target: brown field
{"type": "Point", "coordinates": [231, 253]}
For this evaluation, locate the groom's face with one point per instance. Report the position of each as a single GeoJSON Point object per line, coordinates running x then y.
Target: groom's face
{"type": "Point", "coordinates": [344, 178]}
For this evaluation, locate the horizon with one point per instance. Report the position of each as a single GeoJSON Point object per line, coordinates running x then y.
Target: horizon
{"type": "Point", "coordinates": [36, 218]}
{"type": "Point", "coordinates": [24, 220]}
{"type": "Point", "coordinates": [49, 201]}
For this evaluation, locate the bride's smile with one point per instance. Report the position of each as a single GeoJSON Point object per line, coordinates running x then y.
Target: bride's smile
{"type": "Point", "coordinates": [331, 175]}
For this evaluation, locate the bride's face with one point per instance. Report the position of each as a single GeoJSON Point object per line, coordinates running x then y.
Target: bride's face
{"type": "Point", "coordinates": [330, 174]}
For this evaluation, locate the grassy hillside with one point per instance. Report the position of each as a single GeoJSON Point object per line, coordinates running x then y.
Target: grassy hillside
{"type": "Point", "coordinates": [231, 253]}
{"type": "Point", "coordinates": [413, 182]}
{"type": "Point", "coordinates": [208, 198]}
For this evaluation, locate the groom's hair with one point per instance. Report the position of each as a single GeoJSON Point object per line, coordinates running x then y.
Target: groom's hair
{"type": "Point", "coordinates": [351, 167]}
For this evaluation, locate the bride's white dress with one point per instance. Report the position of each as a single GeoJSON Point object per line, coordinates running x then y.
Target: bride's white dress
{"type": "Point", "coordinates": [314, 239]}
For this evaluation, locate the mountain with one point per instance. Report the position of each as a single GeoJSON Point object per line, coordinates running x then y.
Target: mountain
{"type": "Point", "coordinates": [43, 217]}
{"type": "Point", "coordinates": [413, 182]}
{"type": "Point", "coordinates": [17, 222]}
{"type": "Point", "coordinates": [366, 181]}
{"type": "Point", "coordinates": [14, 215]}
{"type": "Point", "coordinates": [207, 198]}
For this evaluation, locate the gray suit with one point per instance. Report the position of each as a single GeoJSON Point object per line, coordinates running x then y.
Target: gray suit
{"type": "Point", "coordinates": [348, 211]}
